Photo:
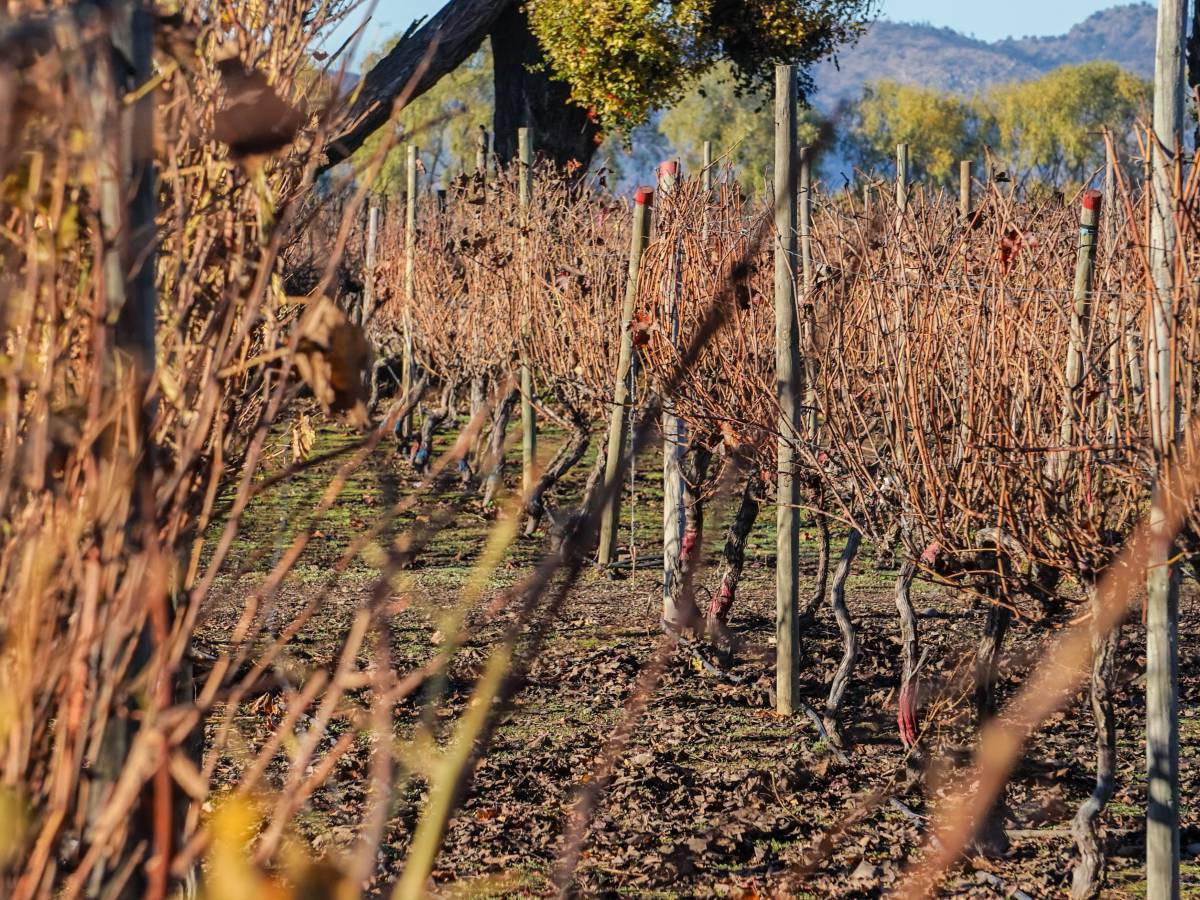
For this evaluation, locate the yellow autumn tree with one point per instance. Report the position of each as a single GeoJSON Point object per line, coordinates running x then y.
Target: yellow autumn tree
{"type": "Point", "coordinates": [1052, 126]}
{"type": "Point", "coordinates": [940, 129]}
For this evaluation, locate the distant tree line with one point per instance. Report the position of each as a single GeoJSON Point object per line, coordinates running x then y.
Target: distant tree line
{"type": "Point", "coordinates": [1049, 129]}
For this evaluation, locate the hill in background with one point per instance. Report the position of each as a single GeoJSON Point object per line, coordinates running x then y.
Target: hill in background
{"type": "Point", "coordinates": [945, 59]}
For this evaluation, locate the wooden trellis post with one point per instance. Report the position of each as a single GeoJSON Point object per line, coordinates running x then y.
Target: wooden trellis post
{"type": "Point", "coordinates": [481, 153]}
{"type": "Point", "coordinates": [787, 387]}
{"type": "Point", "coordinates": [528, 416]}
{"type": "Point", "coordinates": [808, 326]}
{"type": "Point", "coordinates": [965, 186]}
{"type": "Point", "coordinates": [1162, 600]}
{"type": "Point", "coordinates": [618, 424]}
{"type": "Point", "coordinates": [1081, 323]}
{"type": "Point", "coordinates": [902, 177]}
{"type": "Point", "coordinates": [673, 433]}
{"type": "Point", "coordinates": [368, 294]}
{"type": "Point", "coordinates": [127, 192]}
{"type": "Point", "coordinates": [706, 184]}
{"type": "Point", "coordinates": [407, 375]}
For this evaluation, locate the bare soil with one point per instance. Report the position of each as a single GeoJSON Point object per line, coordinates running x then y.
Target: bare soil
{"type": "Point", "coordinates": [716, 795]}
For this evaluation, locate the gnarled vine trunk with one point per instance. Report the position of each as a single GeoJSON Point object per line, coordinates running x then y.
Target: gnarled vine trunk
{"type": "Point", "coordinates": [696, 460]}
{"type": "Point", "coordinates": [495, 461]}
{"type": "Point", "coordinates": [432, 421]}
{"type": "Point", "coordinates": [906, 712]}
{"type": "Point", "coordinates": [733, 557]}
{"type": "Point", "coordinates": [991, 839]}
{"type": "Point", "coordinates": [1089, 872]}
{"type": "Point", "coordinates": [564, 460]}
{"type": "Point", "coordinates": [841, 612]}
{"type": "Point", "coordinates": [821, 576]}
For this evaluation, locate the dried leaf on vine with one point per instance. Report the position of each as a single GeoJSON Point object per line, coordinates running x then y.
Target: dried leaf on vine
{"type": "Point", "coordinates": [254, 120]}
{"type": "Point", "coordinates": [331, 357]}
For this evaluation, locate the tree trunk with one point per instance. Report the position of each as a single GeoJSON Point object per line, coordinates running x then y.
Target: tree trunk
{"type": "Point", "coordinates": [733, 558]}
{"type": "Point", "coordinates": [415, 65]}
{"type": "Point", "coordinates": [1090, 869]}
{"type": "Point", "coordinates": [533, 99]}
{"type": "Point", "coordinates": [841, 678]}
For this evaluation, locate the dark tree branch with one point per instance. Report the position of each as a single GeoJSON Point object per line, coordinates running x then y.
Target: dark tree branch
{"type": "Point", "coordinates": [414, 66]}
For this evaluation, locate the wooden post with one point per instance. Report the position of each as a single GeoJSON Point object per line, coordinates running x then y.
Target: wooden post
{"type": "Point", "coordinates": [528, 416]}
{"type": "Point", "coordinates": [706, 184]}
{"type": "Point", "coordinates": [1162, 601]}
{"type": "Point", "coordinates": [128, 187]}
{"type": "Point", "coordinates": [805, 216]}
{"type": "Point", "coordinates": [808, 323]}
{"type": "Point", "coordinates": [674, 437]}
{"type": "Point", "coordinates": [618, 423]}
{"type": "Point", "coordinates": [902, 177]}
{"type": "Point", "coordinates": [1081, 319]}
{"type": "Point", "coordinates": [1110, 196]}
{"type": "Point", "coordinates": [368, 295]}
{"type": "Point", "coordinates": [127, 193]}
{"type": "Point", "coordinates": [964, 189]}
{"type": "Point", "coordinates": [481, 153]}
{"type": "Point", "coordinates": [787, 389]}
{"type": "Point", "coordinates": [407, 375]}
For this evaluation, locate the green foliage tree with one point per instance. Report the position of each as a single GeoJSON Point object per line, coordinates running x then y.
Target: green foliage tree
{"type": "Point", "coordinates": [1050, 126]}
{"type": "Point", "coordinates": [444, 122]}
{"type": "Point", "coordinates": [940, 129]}
{"type": "Point", "coordinates": [624, 58]}
{"type": "Point", "coordinates": [738, 124]}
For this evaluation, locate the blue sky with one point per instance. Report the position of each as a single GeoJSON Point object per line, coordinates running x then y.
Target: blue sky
{"type": "Point", "coordinates": [988, 21]}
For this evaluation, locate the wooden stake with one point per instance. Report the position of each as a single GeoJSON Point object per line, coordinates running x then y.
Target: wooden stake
{"type": "Point", "coordinates": [618, 423]}
{"type": "Point", "coordinates": [1110, 196]}
{"type": "Point", "coordinates": [706, 183]}
{"type": "Point", "coordinates": [481, 153]}
{"type": "Point", "coordinates": [1081, 324]}
{"type": "Point", "coordinates": [1162, 602]}
{"type": "Point", "coordinates": [127, 197]}
{"type": "Point", "coordinates": [902, 177]}
{"type": "Point", "coordinates": [129, 187]}
{"type": "Point", "coordinates": [964, 189]}
{"type": "Point", "coordinates": [368, 295]}
{"type": "Point", "coordinates": [407, 375]}
{"type": "Point", "coordinates": [787, 381]}
{"type": "Point", "coordinates": [674, 436]}
{"type": "Point", "coordinates": [805, 217]}
{"type": "Point", "coordinates": [528, 416]}
{"type": "Point", "coordinates": [809, 320]}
